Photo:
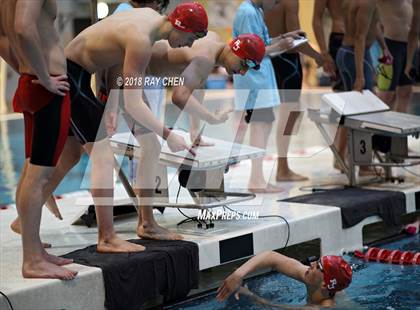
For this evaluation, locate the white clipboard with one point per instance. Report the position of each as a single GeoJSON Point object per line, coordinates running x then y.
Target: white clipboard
{"type": "Point", "coordinates": [296, 43]}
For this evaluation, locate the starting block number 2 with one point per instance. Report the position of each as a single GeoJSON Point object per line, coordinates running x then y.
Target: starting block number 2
{"type": "Point", "coordinates": [161, 185]}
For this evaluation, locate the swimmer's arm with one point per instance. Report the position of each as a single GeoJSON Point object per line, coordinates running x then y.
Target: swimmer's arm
{"type": "Point", "coordinates": [292, 24]}
{"type": "Point", "coordinates": [413, 35]}
{"type": "Point", "coordinates": [195, 135]}
{"type": "Point", "coordinates": [137, 57]}
{"type": "Point", "coordinates": [26, 15]}
{"type": "Point", "coordinates": [6, 53]}
{"type": "Point", "coordinates": [381, 39]}
{"type": "Point", "coordinates": [276, 46]}
{"type": "Point", "coordinates": [270, 259]}
{"type": "Point", "coordinates": [292, 15]}
{"type": "Point", "coordinates": [194, 121]}
{"type": "Point", "coordinates": [288, 266]}
{"type": "Point", "coordinates": [319, 9]}
{"type": "Point", "coordinates": [362, 20]}
{"type": "Point", "coordinates": [267, 259]}
{"type": "Point", "coordinates": [111, 75]}
{"type": "Point", "coordinates": [184, 96]}
{"type": "Point", "coordinates": [308, 50]}
{"type": "Point", "coordinates": [194, 128]}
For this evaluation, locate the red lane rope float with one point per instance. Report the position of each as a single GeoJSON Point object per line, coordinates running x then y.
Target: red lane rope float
{"type": "Point", "coordinates": [389, 256]}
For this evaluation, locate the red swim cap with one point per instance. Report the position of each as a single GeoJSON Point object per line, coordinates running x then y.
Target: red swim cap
{"type": "Point", "coordinates": [249, 47]}
{"type": "Point", "coordinates": [337, 273]}
{"type": "Point", "coordinates": [190, 17]}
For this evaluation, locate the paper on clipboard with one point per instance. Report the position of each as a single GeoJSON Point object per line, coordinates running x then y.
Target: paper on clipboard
{"type": "Point", "coordinates": [296, 43]}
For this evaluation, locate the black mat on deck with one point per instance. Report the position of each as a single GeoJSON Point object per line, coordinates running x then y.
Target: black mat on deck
{"type": "Point", "coordinates": [167, 268]}
{"type": "Point", "coordinates": [357, 204]}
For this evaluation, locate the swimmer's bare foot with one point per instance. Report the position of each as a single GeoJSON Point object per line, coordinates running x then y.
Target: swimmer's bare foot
{"type": "Point", "coordinates": [56, 260]}
{"type": "Point", "coordinates": [156, 232]}
{"type": "Point", "coordinates": [15, 227]}
{"type": "Point", "coordinates": [44, 269]}
{"type": "Point", "coordinates": [289, 176]}
{"type": "Point", "coordinates": [265, 188]}
{"type": "Point", "coordinates": [114, 244]}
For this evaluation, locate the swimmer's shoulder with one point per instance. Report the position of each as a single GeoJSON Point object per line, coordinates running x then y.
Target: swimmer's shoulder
{"type": "Point", "coordinates": [137, 21]}
{"type": "Point", "coordinates": [138, 12]}
{"type": "Point", "coordinates": [211, 35]}
{"type": "Point", "coordinates": [210, 39]}
{"type": "Point", "coordinates": [134, 25]}
{"type": "Point", "coordinates": [203, 50]}
{"type": "Point", "coordinates": [207, 46]}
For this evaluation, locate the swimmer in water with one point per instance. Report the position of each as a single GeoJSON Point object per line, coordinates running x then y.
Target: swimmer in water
{"type": "Point", "coordinates": [323, 278]}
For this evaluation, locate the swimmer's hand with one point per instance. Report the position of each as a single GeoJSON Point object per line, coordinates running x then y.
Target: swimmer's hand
{"type": "Point", "coordinates": [243, 290]}
{"type": "Point", "coordinates": [407, 70]}
{"type": "Point", "coordinates": [359, 84]}
{"type": "Point", "coordinates": [284, 44]}
{"type": "Point", "coordinates": [111, 122]}
{"type": "Point", "coordinates": [297, 34]}
{"type": "Point", "coordinates": [176, 143]}
{"type": "Point", "coordinates": [328, 65]}
{"type": "Point", "coordinates": [55, 84]}
{"type": "Point", "coordinates": [220, 116]}
{"type": "Point", "coordinates": [229, 286]}
{"type": "Point", "coordinates": [387, 55]}
{"type": "Point", "coordinates": [410, 72]}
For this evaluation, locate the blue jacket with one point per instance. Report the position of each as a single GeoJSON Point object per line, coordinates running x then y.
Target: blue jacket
{"type": "Point", "coordinates": [256, 89]}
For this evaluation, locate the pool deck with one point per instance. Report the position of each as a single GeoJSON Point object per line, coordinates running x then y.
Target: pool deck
{"type": "Point", "coordinates": [250, 237]}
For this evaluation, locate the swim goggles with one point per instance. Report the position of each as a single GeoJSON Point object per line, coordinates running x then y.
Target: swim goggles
{"type": "Point", "coordinates": [319, 265]}
{"type": "Point", "coordinates": [250, 64]}
{"type": "Point", "coordinates": [201, 34]}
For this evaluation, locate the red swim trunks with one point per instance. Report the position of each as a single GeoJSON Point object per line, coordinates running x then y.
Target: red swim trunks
{"type": "Point", "coordinates": [47, 121]}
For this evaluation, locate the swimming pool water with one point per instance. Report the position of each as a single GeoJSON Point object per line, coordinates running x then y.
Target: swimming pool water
{"type": "Point", "coordinates": [375, 286]}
